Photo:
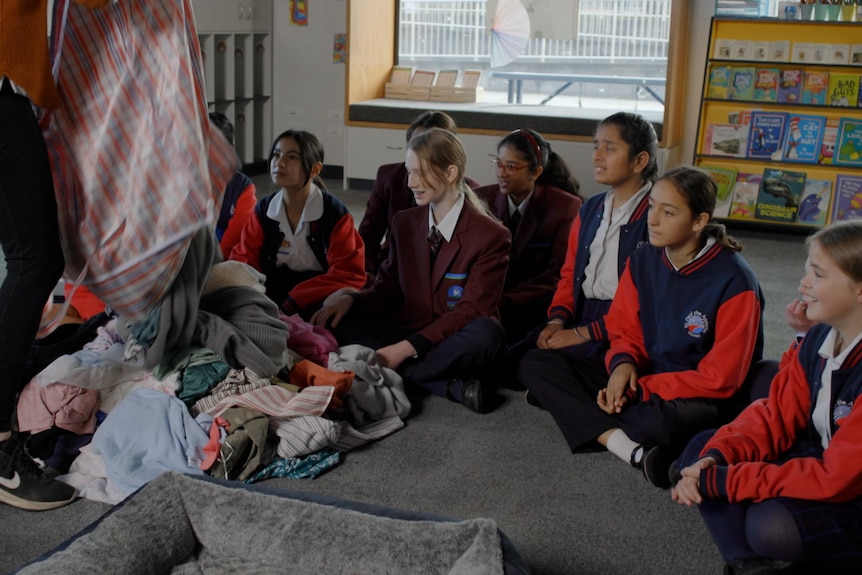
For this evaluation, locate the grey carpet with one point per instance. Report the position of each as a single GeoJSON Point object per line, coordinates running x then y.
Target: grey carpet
{"type": "Point", "coordinates": [567, 514]}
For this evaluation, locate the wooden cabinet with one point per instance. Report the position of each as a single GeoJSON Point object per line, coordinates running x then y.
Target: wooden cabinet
{"type": "Point", "coordinates": [793, 49]}
{"type": "Point", "coordinates": [236, 45]}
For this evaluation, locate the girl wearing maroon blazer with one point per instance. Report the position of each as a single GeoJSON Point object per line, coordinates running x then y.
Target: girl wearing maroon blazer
{"type": "Point", "coordinates": [431, 313]}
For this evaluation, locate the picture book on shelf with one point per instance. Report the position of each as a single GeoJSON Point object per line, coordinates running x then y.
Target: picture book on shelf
{"type": "Point", "coordinates": [742, 117]}
{"type": "Point", "coordinates": [742, 83]}
{"type": "Point", "coordinates": [744, 200]}
{"type": "Point", "coordinates": [803, 52]}
{"type": "Point", "coordinates": [718, 84]}
{"type": "Point", "coordinates": [814, 85]}
{"type": "Point", "coordinates": [766, 84]}
{"type": "Point", "coordinates": [779, 51]}
{"type": "Point", "coordinates": [779, 195]}
{"type": "Point", "coordinates": [843, 90]}
{"type": "Point", "coordinates": [766, 136]}
{"type": "Point", "coordinates": [848, 143]}
{"type": "Point", "coordinates": [725, 140]}
{"type": "Point", "coordinates": [847, 201]}
{"type": "Point", "coordinates": [742, 50]}
{"type": "Point", "coordinates": [855, 55]}
{"type": "Point", "coordinates": [827, 145]}
{"type": "Point", "coordinates": [759, 51]}
{"type": "Point", "coordinates": [725, 179]}
{"type": "Point", "coordinates": [790, 86]}
{"type": "Point", "coordinates": [804, 135]}
{"type": "Point", "coordinates": [839, 54]}
{"type": "Point", "coordinates": [815, 202]}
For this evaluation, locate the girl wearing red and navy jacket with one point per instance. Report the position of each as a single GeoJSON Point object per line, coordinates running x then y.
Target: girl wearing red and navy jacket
{"type": "Point", "coordinates": [783, 481]}
{"type": "Point", "coordinates": [684, 328]}
{"type": "Point", "coordinates": [431, 313]}
{"type": "Point", "coordinates": [537, 198]}
{"type": "Point", "coordinates": [301, 237]}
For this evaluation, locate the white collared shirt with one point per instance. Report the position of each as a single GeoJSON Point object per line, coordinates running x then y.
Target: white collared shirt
{"type": "Point", "coordinates": [295, 252]}
{"type": "Point", "coordinates": [521, 208]}
{"type": "Point", "coordinates": [600, 276]}
{"type": "Point", "coordinates": [822, 416]}
{"type": "Point", "coordinates": [447, 226]}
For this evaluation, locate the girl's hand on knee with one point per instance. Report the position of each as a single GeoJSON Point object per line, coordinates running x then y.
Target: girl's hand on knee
{"type": "Point", "coordinates": [545, 335]}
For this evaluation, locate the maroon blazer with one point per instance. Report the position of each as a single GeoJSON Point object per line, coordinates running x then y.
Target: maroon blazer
{"type": "Point", "coordinates": [389, 195]}
{"type": "Point", "coordinates": [540, 242]}
{"type": "Point", "coordinates": [466, 282]}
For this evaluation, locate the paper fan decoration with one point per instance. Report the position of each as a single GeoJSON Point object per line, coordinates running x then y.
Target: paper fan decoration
{"type": "Point", "coordinates": [510, 32]}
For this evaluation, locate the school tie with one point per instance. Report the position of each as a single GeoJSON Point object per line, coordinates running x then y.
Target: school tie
{"type": "Point", "coordinates": [514, 220]}
{"type": "Point", "coordinates": [435, 240]}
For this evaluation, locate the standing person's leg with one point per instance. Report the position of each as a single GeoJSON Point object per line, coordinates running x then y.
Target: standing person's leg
{"type": "Point", "coordinates": [34, 263]}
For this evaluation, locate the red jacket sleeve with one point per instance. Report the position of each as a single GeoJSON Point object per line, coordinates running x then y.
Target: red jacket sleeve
{"type": "Point", "coordinates": [242, 212]}
{"type": "Point", "coordinates": [624, 328]}
{"type": "Point", "coordinates": [768, 428]}
{"type": "Point", "coordinates": [250, 243]}
{"type": "Point", "coordinates": [346, 259]}
{"type": "Point", "coordinates": [563, 302]}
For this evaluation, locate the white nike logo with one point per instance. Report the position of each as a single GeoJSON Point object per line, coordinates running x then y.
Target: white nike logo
{"type": "Point", "coordinates": [12, 483]}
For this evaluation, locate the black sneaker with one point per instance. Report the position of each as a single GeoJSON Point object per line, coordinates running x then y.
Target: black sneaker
{"type": "Point", "coordinates": [22, 483]}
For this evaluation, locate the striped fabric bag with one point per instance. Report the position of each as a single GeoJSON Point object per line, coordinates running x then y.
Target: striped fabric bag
{"type": "Point", "coordinates": [137, 167]}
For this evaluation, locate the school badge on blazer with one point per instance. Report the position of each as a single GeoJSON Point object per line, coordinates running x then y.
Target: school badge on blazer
{"type": "Point", "coordinates": [696, 324]}
{"type": "Point", "coordinates": [455, 291]}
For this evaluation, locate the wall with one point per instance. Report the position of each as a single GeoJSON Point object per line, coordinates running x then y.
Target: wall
{"type": "Point", "coordinates": [308, 88]}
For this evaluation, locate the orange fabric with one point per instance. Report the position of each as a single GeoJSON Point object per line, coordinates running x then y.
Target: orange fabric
{"type": "Point", "coordinates": [24, 55]}
{"type": "Point", "coordinates": [84, 301]}
{"type": "Point", "coordinates": [307, 373]}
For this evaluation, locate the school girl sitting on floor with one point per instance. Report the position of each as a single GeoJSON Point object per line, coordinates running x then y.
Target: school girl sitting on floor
{"type": "Point", "coordinates": [783, 481]}
{"type": "Point", "coordinates": [390, 194]}
{"type": "Point", "coordinates": [431, 313]}
{"type": "Point", "coordinates": [301, 237]}
{"type": "Point", "coordinates": [685, 326]}
{"type": "Point", "coordinates": [537, 198]}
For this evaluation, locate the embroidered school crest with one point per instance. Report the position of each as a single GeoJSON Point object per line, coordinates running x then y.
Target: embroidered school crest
{"type": "Point", "coordinates": [842, 410]}
{"type": "Point", "coordinates": [696, 324]}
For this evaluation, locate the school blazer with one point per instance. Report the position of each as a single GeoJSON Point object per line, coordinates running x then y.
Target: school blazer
{"type": "Point", "coordinates": [466, 282]}
{"type": "Point", "coordinates": [539, 244]}
{"type": "Point", "coordinates": [389, 195]}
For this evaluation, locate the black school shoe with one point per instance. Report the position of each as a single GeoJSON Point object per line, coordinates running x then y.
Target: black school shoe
{"type": "Point", "coordinates": [656, 464]}
{"type": "Point", "coordinates": [472, 394]}
{"type": "Point", "coordinates": [22, 483]}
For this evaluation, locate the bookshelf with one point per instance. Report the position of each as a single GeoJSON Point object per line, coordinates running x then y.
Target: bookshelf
{"type": "Point", "coordinates": [740, 117]}
{"type": "Point", "coordinates": [236, 45]}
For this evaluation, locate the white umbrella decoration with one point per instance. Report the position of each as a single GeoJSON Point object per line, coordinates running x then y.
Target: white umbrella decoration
{"type": "Point", "coordinates": [510, 32]}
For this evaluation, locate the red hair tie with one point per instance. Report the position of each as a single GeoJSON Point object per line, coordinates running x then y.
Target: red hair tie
{"type": "Point", "coordinates": [532, 141]}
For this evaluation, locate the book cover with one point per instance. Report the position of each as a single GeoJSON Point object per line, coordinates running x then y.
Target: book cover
{"type": "Point", "coordinates": [814, 85]}
{"type": "Point", "coordinates": [779, 51]}
{"type": "Point", "coordinates": [725, 140]}
{"type": "Point", "coordinates": [848, 143]}
{"type": "Point", "coordinates": [759, 51]}
{"type": "Point", "coordinates": [723, 49]}
{"type": "Point", "coordinates": [766, 84]}
{"type": "Point", "coordinates": [718, 84]}
{"type": "Point", "coordinates": [856, 54]}
{"type": "Point", "coordinates": [802, 52]}
{"type": "Point", "coordinates": [804, 136]}
{"type": "Point", "coordinates": [847, 203]}
{"type": "Point", "coordinates": [790, 86]}
{"type": "Point", "coordinates": [766, 135]}
{"type": "Point", "coordinates": [843, 90]}
{"type": "Point", "coordinates": [815, 202]}
{"type": "Point", "coordinates": [742, 50]}
{"type": "Point", "coordinates": [827, 145]}
{"type": "Point", "coordinates": [740, 117]}
{"type": "Point", "coordinates": [839, 54]}
{"type": "Point", "coordinates": [779, 195]}
{"type": "Point", "coordinates": [744, 200]}
{"type": "Point", "coordinates": [821, 53]}
{"type": "Point", "coordinates": [742, 83]}
{"type": "Point", "coordinates": [725, 179]}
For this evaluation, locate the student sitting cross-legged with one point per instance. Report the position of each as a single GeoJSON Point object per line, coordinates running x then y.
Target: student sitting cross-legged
{"type": "Point", "coordinates": [782, 483]}
{"type": "Point", "coordinates": [685, 326]}
{"type": "Point", "coordinates": [301, 237]}
{"type": "Point", "coordinates": [431, 313]}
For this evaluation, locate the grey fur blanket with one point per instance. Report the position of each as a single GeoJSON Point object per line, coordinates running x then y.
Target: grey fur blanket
{"type": "Point", "coordinates": [183, 524]}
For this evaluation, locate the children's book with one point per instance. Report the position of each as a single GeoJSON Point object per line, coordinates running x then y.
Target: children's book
{"type": "Point", "coordinates": [766, 137]}
{"type": "Point", "coordinates": [848, 143]}
{"type": "Point", "coordinates": [742, 83]}
{"type": "Point", "coordinates": [814, 85]}
{"type": "Point", "coordinates": [725, 140]}
{"type": "Point", "coordinates": [803, 52]}
{"type": "Point", "coordinates": [779, 195]}
{"type": "Point", "coordinates": [766, 84]}
{"type": "Point", "coordinates": [723, 49]}
{"type": "Point", "coordinates": [804, 135]}
{"type": "Point", "coordinates": [815, 203]}
{"type": "Point", "coordinates": [839, 54]}
{"type": "Point", "coordinates": [718, 84]}
{"type": "Point", "coordinates": [744, 200]}
{"type": "Point", "coordinates": [856, 54]}
{"type": "Point", "coordinates": [742, 50]}
{"type": "Point", "coordinates": [847, 203]}
{"type": "Point", "coordinates": [779, 51]}
{"type": "Point", "coordinates": [742, 117]}
{"type": "Point", "coordinates": [725, 179]}
{"type": "Point", "coordinates": [827, 145]}
{"type": "Point", "coordinates": [790, 86]}
{"type": "Point", "coordinates": [759, 51]}
{"type": "Point", "coordinates": [843, 90]}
